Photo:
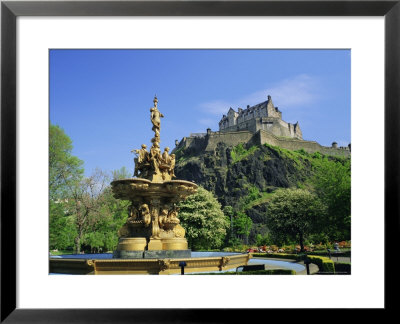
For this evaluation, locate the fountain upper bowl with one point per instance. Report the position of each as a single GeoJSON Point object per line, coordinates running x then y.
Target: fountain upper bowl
{"type": "Point", "coordinates": [133, 188]}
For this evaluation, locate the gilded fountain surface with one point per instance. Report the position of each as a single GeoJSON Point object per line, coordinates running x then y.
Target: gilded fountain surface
{"type": "Point", "coordinates": [153, 228]}
{"type": "Point", "coordinates": [152, 240]}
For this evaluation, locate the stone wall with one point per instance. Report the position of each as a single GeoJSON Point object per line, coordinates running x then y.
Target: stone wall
{"type": "Point", "coordinates": [209, 142]}
{"type": "Point", "coordinates": [229, 138]}
{"type": "Point", "coordinates": [263, 137]}
{"type": "Point", "coordinates": [194, 144]}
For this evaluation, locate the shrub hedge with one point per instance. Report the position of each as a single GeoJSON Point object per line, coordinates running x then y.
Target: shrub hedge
{"type": "Point", "coordinates": [325, 253]}
{"type": "Point", "coordinates": [324, 263]}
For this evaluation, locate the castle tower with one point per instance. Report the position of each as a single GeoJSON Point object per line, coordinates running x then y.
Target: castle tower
{"type": "Point", "coordinates": [263, 116]}
{"type": "Point", "coordinates": [232, 117]}
{"type": "Point", "coordinates": [272, 111]}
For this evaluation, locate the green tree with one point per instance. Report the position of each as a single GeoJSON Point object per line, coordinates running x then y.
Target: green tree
{"type": "Point", "coordinates": [83, 210]}
{"type": "Point", "coordinates": [110, 215]}
{"type": "Point", "coordinates": [242, 226]}
{"type": "Point", "coordinates": [202, 218]}
{"type": "Point", "coordinates": [294, 214]}
{"type": "Point", "coordinates": [332, 183]}
{"type": "Point", "coordinates": [229, 214]}
{"type": "Point", "coordinates": [121, 173]}
{"type": "Point", "coordinates": [64, 170]}
{"type": "Point", "coordinates": [88, 205]}
{"type": "Point", "coordinates": [62, 230]}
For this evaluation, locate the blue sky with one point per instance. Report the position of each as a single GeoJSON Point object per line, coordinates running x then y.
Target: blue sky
{"type": "Point", "coordinates": [102, 98]}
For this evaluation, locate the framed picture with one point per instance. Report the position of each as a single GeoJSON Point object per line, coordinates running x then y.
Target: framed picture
{"type": "Point", "coordinates": [195, 21]}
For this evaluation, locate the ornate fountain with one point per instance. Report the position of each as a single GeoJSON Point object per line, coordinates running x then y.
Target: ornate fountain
{"type": "Point", "coordinates": [152, 241]}
{"type": "Point", "coordinates": [153, 229]}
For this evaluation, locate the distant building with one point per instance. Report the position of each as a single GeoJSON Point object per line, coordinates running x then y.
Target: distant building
{"type": "Point", "coordinates": [263, 116]}
{"type": "Point", "coordinates": [259, 124]}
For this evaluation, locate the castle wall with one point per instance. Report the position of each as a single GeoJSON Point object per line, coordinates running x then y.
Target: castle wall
{"type": "Point", "coordinates": [193, 143]}
{"type": "Point", "coordinates": [299, 133]}
{"type": "Point", "coordinates": [264, 137]}
{"type": "Point", "coordinates": [249, 125]}
{"type": "Point", "coordinates": [209, 142]}
{"type": "Point", "coordinates": [277, 127]}
{"type": "Point", "coordinates": [229, 138]}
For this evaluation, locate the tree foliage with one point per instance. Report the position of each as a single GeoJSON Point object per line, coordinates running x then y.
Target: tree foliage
{"type": "Point", "coordinates": [83, 210]}
{"type": "Point", "coordinates": [120, 174]}
{"type": "Point", "coordinates": [242, 225]}
{"type": "Point", "coordinates": [64, 168]}
{"type": "Point", "coordinates": [203, 220]}
{"type": "Point", "coordinates": [62, 230]}
{"type": "Point", "coordinates": [110, 215]}
{"type": "Point", "coordinates": [332, 183]}
{"type": "Point", "coordinates": [294, 214]}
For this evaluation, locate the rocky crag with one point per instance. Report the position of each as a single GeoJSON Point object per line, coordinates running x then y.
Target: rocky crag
{"type": "Point", "coordinates": [245, 176]}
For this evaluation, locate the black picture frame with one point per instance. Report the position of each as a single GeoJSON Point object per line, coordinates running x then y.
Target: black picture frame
{"type": "Point", "coordinates": [10, 10]}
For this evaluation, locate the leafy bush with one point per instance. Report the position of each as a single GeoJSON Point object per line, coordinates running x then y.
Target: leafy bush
{"type": "Point", "coordinates": [262, 240]}
{"type": "Point", "coordinates": [302, 152]}
{"type": "Point", "coordinates": [316, 155]}
{"type": "Point", "coordinates": [239, 152]}
{"type": "Point", "coordinates": [294, 214]}
{"type": "Point", "coordinates": [202, 218]}
{"type": "Point", "coordinates": [324, 263]}
{"type": "Point", "coordinates": [325, 253]}
{"type": "Point", "coordinates": [237, 248]}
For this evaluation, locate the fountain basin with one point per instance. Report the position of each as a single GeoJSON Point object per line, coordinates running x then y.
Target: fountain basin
{"type": "Point", "coordinates": [105, 264]}
{"type": "Point", "coordinates": [138, 188]}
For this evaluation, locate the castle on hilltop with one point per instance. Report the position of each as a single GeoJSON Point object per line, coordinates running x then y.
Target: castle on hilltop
{"type": "Point", "coordinates": [263, 116]}
{"type": "Point", "coordinates": [257, 125]}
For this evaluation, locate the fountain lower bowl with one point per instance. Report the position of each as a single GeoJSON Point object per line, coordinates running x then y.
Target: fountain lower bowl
{"type": "Point", "coordinates": [100, 264]}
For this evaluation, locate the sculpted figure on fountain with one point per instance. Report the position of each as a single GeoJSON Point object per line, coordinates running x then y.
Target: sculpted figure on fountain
{"type": "Point", "coordinates": [155, 116]}
{"type": "Point", "coordinates": [153, 223]}
{"type": "Point", "coordinates": [153, 165]}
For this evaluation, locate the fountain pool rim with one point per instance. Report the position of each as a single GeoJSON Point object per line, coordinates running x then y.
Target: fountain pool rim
{"type": "Point", "coordinates": [199, 262]}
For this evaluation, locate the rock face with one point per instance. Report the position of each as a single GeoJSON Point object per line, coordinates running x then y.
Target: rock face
{"type": "Point", "coordinates": [245, 176]}
{"type": "Point", "coordinates": [264, 168]}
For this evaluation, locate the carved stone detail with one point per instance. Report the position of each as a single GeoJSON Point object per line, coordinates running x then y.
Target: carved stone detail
{"type": "Point", "coordinates": [164, 264]}
{"type": "Point", "coordinates": [224, 262]}
{"type": "Point", "coordinates": [90, 263]}
{"type": "Point", "coordinates": [179, 231]}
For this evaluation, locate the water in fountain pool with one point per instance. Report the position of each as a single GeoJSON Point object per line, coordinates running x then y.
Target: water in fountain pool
{"type": "Point", "coordinates": [272, 264]}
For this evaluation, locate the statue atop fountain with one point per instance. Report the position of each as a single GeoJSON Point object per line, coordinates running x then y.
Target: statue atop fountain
{"type": "Point", "coordinates": [153, 165]}
{"type": "Point", "coordinates": [153, 228]}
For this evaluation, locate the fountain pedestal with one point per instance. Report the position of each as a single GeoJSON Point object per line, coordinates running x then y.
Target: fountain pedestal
{"type": "Point", "coordinates": [154, 244]}
{"type": "Point", "coordinates": [153, 226]}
